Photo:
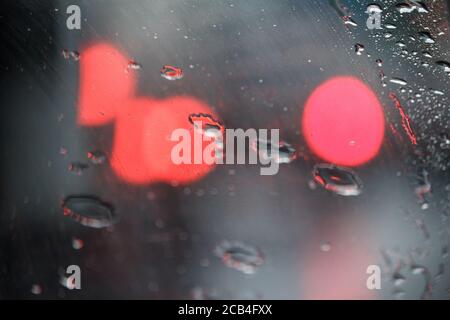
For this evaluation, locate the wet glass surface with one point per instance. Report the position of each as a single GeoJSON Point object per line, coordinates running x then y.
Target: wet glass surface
{"type": "Point", "coordinates": [87, 115]}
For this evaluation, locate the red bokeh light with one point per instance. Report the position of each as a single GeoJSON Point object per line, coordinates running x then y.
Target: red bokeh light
{"type": "Point", "coordinates": [105, 82]}
{"type": "Point", "coordinates": [142, 146]}
{"type": "Point", "coordinates": [343, 122]}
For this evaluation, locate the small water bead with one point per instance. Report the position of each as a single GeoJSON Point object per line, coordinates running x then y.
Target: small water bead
{"type": "Point", "coordinates": [398, 279]}
{"type": "Point", "coordinates": [78, 167]}
{"type": "Point", "coordinates": [36, 289]}
{"type": "Point", "coordinates": [96, 157]}
{"type": "Point", "coordinates": [359, 49]}
{"type": "Point", "coordinates": [398, 81]}
{"type": "Point", "coordinates": [281, 153]}
{"type": "Point", "coordinates": [374, 8]}
{"type": "Point", "coordinates": [444, 65]}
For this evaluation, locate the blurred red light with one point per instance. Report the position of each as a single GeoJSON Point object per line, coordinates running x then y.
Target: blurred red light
{"type": "Point", "coordinates": [343, 122]}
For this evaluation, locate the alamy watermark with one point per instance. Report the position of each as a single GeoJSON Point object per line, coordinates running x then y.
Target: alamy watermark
{"type": "Point", "coordinates": [374, 19]}
{"type": "Point", "coordinates": [229, 146]}
{"type": "Point", "coordinates": [73, 22]}
{"type": "Point", "coordinates": [72, 278]}
{"type": "Point", "coordinates": [374, 280]}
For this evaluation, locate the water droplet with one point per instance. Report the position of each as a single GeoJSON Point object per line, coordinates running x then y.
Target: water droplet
{"type": "Point", "coordinates": [133, 65]}
{"type": "Point", "coordinates": [239, 256]}
{"type": "Point", "coordinates": [444, 65]}
{"type": "Point", "coordinates": [96, 157]}
{"type": "Point", "coordinates": [325, 247]}
{"type": "Point", "coordinates": [426, 54]}
{"type": "Point", "coordinates": [78, 167]}
{"type": "Point", "coordinates": [171, 73]}
{"type": "Point", "coordinates": [339, 180]}
{"type": "Point", "coordinates": [75, 55]}
{"type": "Point", "coordinates": [77, 244]}
{"type": "Point", "coordinates": [412, 6]}
{"type": "Point", "coordinates": [400, 44]}
{"type": "Point", "coordinates": [206, 125]}
{"type": "Point", "coordinates": [349, 21]}
{"type": "Point", "coordinates": [36, 289]}
{"type": "Point", "coordinates": [374, 8]}
{"type": "Point", "coordinates": [437, 92]}
{"type": "Point", "coordinates": [399, 294]}
{"type": "Point", "coordinates": [89, 211]}
{"type": "Point", "coordinates": [388, 35]}
{"type": "Point", "coordinates": [67, 282]}
{"type": "Point", "coordinates": [426, 37]}
{"type": "Point", "coordinates": [283, 153]}
{"type": "Point", "coordinates": [423, 186]}
{"type": "Point", "coordinates": [359, 49]}
{"type": "Point", "coordinates": [398, 81]}
{"type": "Point", "coordinates": [390, 26]}
{"type": "Point", "coordinates": [398, 279]}
{"type": "Point", "coordinates": [379, 62]}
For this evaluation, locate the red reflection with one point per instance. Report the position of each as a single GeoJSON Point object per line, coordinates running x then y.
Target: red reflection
{"type": "Point", "coordinates": [143, 126]}
{"type": "Point", "coordinates": [343, 122]}
{"type": "Point", "coordinates": [142, 146]}
{"type": "Point", "coordinates": [105, 82]}
{"type": "Point", "coordinates": [338, 272]}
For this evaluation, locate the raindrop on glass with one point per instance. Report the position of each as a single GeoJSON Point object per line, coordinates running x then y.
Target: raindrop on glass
{"type": "Point", "coordinates": [96, 157]}
{"type": "Point", "coordinates": [359, 49]}
{"type": "Point", "coordinates": [281, 153]}
{"type": "Point", "coordinates": [426, 37]}
{"type": "Point", "coordinates": [206, 125]}
{"type": "Point", "coordinates": [77, 244]}
{"type": "Point", "coordinates": [78, 167]}
{"type": "Point", "coordinates": [171, 73]}
{"type": "Point", "coordinates": [89, 211]}
{"type": "Point", "coordinates": [444, 65]}
{"type": "Point", "coordinates": [339, 180]}
{"type": "Point", "coordinates": [133, 65]}
{"type": "Point", "coordinates": [239, 256]}
{"type": "Point", "coordinates": [398, 81]}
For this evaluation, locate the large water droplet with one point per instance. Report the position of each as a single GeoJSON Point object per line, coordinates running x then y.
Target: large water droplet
{"type": "Point", "coordinates": [89, 211]}
{"type": "Point", "coordinates": [171, 73]}
{"type": "Point", "coordinates": [239, 256]}
{"type": "Point", "coordinates": [341, 181]}
{"type": "Point", "coordinates": [444, 65]}
{"type": "Point", "coordinates": [133, 65]}
{"type": "Point", "coordinates": [96, 157]}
